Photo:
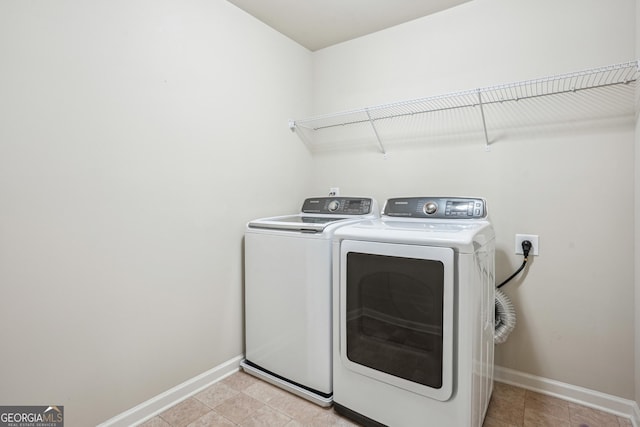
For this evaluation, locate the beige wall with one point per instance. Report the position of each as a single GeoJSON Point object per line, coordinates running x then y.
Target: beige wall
{"type": "Point", "coordinates": [637, 217]}
{"type": "Point", "coordinates": [136, 138]}
{"type": "Point", "coordinates": [575, 306]}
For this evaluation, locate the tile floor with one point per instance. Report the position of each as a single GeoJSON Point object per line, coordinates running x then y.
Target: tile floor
{"type": "Point", "coordinates": [242, 400]}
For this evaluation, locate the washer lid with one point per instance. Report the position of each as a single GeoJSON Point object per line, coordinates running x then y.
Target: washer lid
{"type": "Point", "coordinates": [317, 213]}
{"type": "Point", "coordinates": [313, 224]}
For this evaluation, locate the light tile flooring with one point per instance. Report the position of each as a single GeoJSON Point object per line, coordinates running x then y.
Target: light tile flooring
{"type": "Point", "coordinates": [242, 400]}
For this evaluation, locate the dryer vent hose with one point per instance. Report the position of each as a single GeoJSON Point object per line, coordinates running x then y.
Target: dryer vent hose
{"type": "Point", "coordinates": [505, 317]}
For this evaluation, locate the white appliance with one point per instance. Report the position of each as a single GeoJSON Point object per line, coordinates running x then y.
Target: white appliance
{"type": "Point", "coordinates": [288, 275]}
{"type": "Point", "coordinates": [413, 319]}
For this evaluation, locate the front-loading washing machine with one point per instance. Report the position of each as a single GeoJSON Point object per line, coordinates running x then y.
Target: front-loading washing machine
{"type": "Point", "coordinates": [288, 276]}
{"type": "Point", "coordinates": [413, 318]}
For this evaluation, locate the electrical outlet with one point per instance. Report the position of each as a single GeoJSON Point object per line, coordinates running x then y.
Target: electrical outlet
{"type": "Point", "coordinates": [334, 191]}
{"type": "Point", "coordinates": [533, 238]}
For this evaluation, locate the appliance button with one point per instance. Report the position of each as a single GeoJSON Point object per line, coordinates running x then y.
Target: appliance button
{"type": "Point", "coordinates": [430, 208]}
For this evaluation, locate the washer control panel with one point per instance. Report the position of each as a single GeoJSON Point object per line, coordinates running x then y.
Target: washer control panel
{"type": "Point", "coordinates": [337, 205]}
{"type": "Point", "coordinates": [436, 207]}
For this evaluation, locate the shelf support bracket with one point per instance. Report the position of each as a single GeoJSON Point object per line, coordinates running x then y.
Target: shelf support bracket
{"type": "Point", "coordinates": [373, 126]}
{"type": "Point", "coordinates": [484, 122]}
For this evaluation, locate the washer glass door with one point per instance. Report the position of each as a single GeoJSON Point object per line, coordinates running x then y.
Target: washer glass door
{"type": "Point", "coordinates": [396, 314]}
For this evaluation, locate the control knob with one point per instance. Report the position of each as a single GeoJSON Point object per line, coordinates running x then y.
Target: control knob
{"type": "Point", "coordinates": [333, 205]}
{"type": "Point", "coordinates": [430, 208]}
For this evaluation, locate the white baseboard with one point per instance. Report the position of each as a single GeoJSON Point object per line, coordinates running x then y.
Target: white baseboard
{"type": "Point", "coordinates": [583, 396]}
{"type": "Point", "coordinates": [158, 404]}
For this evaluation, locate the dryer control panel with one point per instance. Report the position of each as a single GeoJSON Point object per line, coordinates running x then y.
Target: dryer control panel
{"type": "Point", "coordinates": [436, 207]}
{"type": "Point", "coordinates": [337, 205]}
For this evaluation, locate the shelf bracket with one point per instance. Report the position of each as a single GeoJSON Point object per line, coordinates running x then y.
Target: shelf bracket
{"type": "Point", "coordinates": [373, 125]}
{"type": "Point", "coordinates": [484, 122]}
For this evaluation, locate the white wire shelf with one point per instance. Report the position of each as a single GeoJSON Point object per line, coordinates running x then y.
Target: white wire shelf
{"type": "Point", "coordinates": [584, 96]}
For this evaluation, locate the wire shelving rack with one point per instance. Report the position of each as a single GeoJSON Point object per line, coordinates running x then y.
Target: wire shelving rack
{"type": "Point", "coordinates": [583, 96]}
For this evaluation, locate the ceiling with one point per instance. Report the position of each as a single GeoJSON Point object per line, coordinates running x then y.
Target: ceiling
{"type": "Point", "coordinates": [316, 24]}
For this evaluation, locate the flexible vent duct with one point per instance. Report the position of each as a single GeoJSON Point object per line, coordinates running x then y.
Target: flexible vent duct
{"type": "Point", "coordinates": [505, 317]}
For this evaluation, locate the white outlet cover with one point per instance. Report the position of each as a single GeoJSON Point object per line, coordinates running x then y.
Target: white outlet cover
{"type": "Point", "coordinates": [535, 244]}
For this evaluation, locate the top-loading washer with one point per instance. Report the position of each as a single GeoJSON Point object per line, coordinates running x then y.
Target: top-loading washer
{"type": "Point", "coordinates": [413, 314]}
{"type": "Point", "coordinates": [288, 275]}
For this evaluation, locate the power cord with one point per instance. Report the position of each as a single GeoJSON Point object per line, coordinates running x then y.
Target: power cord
{"type": "Point", "coordinates": [526, 247]}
